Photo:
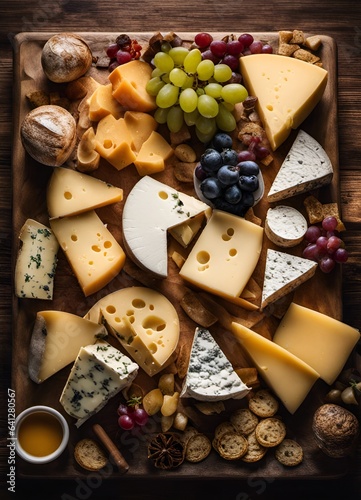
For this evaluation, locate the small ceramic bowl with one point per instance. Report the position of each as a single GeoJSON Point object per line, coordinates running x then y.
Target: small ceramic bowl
{"type": "Point", "coordinates": [39, 423]}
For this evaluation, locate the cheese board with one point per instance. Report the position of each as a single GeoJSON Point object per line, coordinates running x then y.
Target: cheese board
{"type": "Point", "coordinates": [322, 293]}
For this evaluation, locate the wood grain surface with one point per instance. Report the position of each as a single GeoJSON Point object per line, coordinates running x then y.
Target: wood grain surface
{"type": "Point", "coordinates": [340, 20]}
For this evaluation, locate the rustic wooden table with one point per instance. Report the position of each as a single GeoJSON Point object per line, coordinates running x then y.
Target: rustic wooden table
{"type": "Point", "coordinates": [340, 20]}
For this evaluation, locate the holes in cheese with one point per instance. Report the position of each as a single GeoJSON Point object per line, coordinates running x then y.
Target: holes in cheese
{"type": "Point", "coordinates": [225, 255]}
{"type": "Point", "coordinates": [321, 341]}
{"type": "Point", "coordinates": [71, 193]}
{"type": "Point", "coordinates": [91, 250]}
{"type": "Point", "coordinates": [144, 322]}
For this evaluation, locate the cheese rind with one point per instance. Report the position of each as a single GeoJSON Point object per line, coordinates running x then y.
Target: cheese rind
{"type": "Point", "coordinates": [99, 372]}
{"type": "Point", "coordinates": [210, 375]}
{"type": "Point", "coordinates": [287, 90]}
{"type": "Point", "coordinates": [91, 250]}
{"type": "Point", "coordinates": [150, 209]}
{"type": "Point", "coordinates": [36, 262]}
{"type": "Point", "coordinates": [284, 273]}
{"type": "Point", "coordinates": [145, 323]}
{"type": "Point", "coordinates": [306, 167]}
{"type": "Point", "coordinates": [289, 377]}
{"type": "Point", "coordinates": [70, 193]}
{"type": "Point", "coordinates": [321, 341]}
{"type": "Point", "coordinates": [225, 255]}
{"type": "Point", "coordinates": [55, 342]}
{"type": "Point", "coordinates": [285, 226]}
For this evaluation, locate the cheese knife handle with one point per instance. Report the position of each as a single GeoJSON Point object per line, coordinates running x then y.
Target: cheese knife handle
{"type": "Point", "coordinates": [114, 452]}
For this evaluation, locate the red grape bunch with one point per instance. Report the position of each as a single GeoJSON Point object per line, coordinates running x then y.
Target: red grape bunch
{"type": "Point", "coordinates": [130, 414]}
{"type": "Point", "coordinates": [122, 51]}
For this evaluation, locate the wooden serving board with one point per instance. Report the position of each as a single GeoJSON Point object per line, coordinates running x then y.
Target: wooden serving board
{"type": "Point", "coordinates": [322, 293]}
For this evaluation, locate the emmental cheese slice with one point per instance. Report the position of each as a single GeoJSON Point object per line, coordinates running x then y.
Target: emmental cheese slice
{"type": "Point", "coordinates": [91, 250]}
{"type": "Point", "coordinates": [144, 322]}
{"type": "Point", "coordinates": [306, 167]}
{"type": "Point", "coordinates": [289, 377]}
{"type": "Point", "coordinates": [283, 273]}
{"type": "Point", "coordinates": [150, 209]}
{"type": "Point", "coordinates": [225, 255]}
{"type": "Point", "coordinates": [287, 89]}
{"type": "Point", "coordinates": [56, 339]}
{"type": "Point", "coordinates": [36, 262]}
{"type": "Point", "coordinates": [321, 341]}
{"type": "Point", "coordinates": [70, 193]}
{"type": "Point", "coordinates": [99, 372]}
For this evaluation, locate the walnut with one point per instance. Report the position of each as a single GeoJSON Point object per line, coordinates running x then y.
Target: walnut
{"type": "Point", "coordinates": [166, 450]}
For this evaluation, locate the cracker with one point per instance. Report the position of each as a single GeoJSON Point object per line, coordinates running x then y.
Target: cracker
{"type": "Point", "coordinates": [232, 446]}
{"type": "Point", "coordinates": [263, 404]}
{"type": "Point", "coordinates": [297, 37]}
{"type": "Point", "coordinates": [331, 209]}
{"type": "Point", "coordinates": [89, 455]}
{"type": "Point", "coordinates": [270, 432]}
{"type": "Point", "coordinates": [255, 451]}
{"type": "Point", "coordinates": [244, 421]}
{"type": "Point", "coordinates": [314, 209]}
{"type": "Point", "coordinates": [187, 434]}
{"type": "Point", "coordinates": [305, 55]}
{"type": "Point", "coordinates": [198, 448]}
{"type": "Point", "coordinates": [285, 49]}
{"type": "Point", "coordinates": [289, 453]}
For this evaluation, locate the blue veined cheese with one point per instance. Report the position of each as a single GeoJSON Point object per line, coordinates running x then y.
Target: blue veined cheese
{"type": "Point", "coordinates": [99, 372]}
{"type": "Point", "coordinates": [210, 375]}
{"type": "Point", "coordinates": [36, 262]}
{"type": "Point", "coordinates": [306, 167]}
{"type": "Point", "coordinates": [284, 273]}
{"type": "Point", "coordinates": [285, 226]}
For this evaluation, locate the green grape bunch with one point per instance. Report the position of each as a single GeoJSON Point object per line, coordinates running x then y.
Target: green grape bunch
{"type": "Point", "coordinates": [192, 90]}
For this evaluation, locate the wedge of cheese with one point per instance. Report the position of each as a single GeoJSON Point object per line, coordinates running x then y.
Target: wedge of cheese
{"type": "Point", "coordinates": [56, 339]}
{"type": "Point", "coordinates": [285, 226]}
{"type": "Point", "coordinates": [289, 377]}
{"type": "Point", "coordinates": [224, 256]}
{"type": "Point", "coordinates": [144, 322]}
{"type": "Point", "coordinates": [70, 193]}
{"type": "Point", "coordinates": [36, 262]}
{"type": "Point", "coordinates": [102, 103]}
{"type": "Point", "coordinates": [284, 273]}
{"type": "Point", "coordinates": [321, 341]}
{"type": "Point", "coordinates": [99, 372]}
{"type": "Point", "coordinates": [91, 250]}
{"type": "Point", "coordinates": [152, 155]}
{"type": "Point", "coordinates": [306, 167]}
{"type": "Point", "coordinates": [150, 209]}
{"type": "Point", "coordinates": [210, 375]}
{"type": "Point", "coordinates": [287, 90]}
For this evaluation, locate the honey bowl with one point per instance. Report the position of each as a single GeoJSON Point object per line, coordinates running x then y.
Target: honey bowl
{"type": "Point", "coordinates": [42, 434]}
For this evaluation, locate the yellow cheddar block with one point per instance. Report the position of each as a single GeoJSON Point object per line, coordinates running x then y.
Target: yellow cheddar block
{"type": "Point", "coordinates": [114, 142]}
{"type": "Point", "coordinates": [129, 86]}
{"type": "Point", "coordinates": [152, 155]}
{"type": "Point", "coordinates": [102, 103]}
{"type": "Point", "coordinates": [140, 126]}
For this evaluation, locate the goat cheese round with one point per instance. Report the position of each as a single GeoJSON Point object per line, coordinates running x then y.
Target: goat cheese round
{"type": "Point", "coordinates": [285, 226]}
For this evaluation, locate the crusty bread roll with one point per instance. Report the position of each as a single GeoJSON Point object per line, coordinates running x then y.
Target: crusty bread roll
{"type": "Point", "coordinates": [48, 134]}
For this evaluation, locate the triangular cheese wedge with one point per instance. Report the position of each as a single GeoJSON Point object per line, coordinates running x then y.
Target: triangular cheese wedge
{"type": "Point", "coordinates": [210, 375]}
{"type": "Point", "coordinates": [150, 209]}
{"type": "Point", "coordinates": [289, 377]}
{"type": "Point", "coordinates": [284, 273]}
{"type": "Point", "coordinates": [306, 167]}
{"type": "Point", "coordinates": [71, 193]}
{"type": "Point", "coordinates": [287, 90]}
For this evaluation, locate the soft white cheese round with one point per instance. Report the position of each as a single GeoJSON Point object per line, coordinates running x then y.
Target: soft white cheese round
{"type": "Point", "coordinates": [285, 226]}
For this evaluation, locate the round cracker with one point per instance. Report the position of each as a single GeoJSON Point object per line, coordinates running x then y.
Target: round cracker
{"type": "Point", "coordinates": [232, 446]}
{"type": "Point", "coordinates": [289, 453]}
{"type": "Point", "coordinates": [255, 450]}
{"type": "Point", "coordinates": [270, 432]}
{"type": "Point", "coordinates": [198, 448]}
{"type": "Point", "coordinates": [263, 404]}
{"type": "Point", "coordinates": [244, 421]}
{"type": "Point", "coordinates": [89, 455]}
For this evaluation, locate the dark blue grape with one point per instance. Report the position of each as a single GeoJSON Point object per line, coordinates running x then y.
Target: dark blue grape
{"type": "Point", "coordinates": [247, 199]}
{"type": "Point", "coordinates": [248, 167]}
{"type": "Point", "coordinates": [222, 141]}
{"type": "Point", "coordinates": [211, 188]}
{"type": "Point", "coordinates": [228, 175]}
{"type": "Point", "coordinates": [233, 194]}
{"type": "Point", "coordinates": [229, 157]}
{"type": "Point", "coordinates": [248, 183]}
{"type": "Point", "coordinates": [211, 160]}
{"type": "Point", "coordinates": [200, 173]}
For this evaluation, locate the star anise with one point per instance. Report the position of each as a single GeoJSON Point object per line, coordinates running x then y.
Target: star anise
{"type": "Point", "coordinates": [166, 450]}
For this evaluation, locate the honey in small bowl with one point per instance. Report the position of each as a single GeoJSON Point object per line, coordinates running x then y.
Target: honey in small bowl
{"type": "Point", "coordinates": [42, 434]}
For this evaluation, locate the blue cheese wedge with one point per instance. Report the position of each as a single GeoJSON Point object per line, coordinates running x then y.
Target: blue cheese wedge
{"type": "Point", "coordinates": [99, 372]}
{"type": "Point", "coordinates": [284, 273]}
{"type": "Point", "coordinates": [285, 226]}
{"type": "Point", "coordinates": [210, 375]}
{"type": "Point", "coordinates": [306, 167]}
{"type": "Point", "coordinates": [36, 262]}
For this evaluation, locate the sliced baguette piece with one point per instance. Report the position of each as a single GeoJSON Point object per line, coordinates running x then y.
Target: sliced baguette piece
{"type": "Point", "coordinates": [89, 455]}
{"type": "Point", "coordinates": [232, 446]}
{"type": "Point", "coordinates": [283, 274]}
{"type": "Point", "coordinates": [255, 451]}
{"type": "Point", "coordinates": [289, 453]}
{"type": "Point", "coordinates": [198, 448]}
{"type": "Point", "coordinates": [270, 432]}
{"type": "Point", "coordinates": [263, 404]}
